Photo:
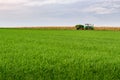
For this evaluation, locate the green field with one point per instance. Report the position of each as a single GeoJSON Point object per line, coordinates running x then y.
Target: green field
{"type": "Point", "coordinates": [28, 54]}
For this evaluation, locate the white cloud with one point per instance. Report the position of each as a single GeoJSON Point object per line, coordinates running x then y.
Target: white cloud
{"type": "Point", "coordinates": [45, 2]}
{"type": "Point", "coordinates": [12, 1]}
{"type": "Point", "coordinates": [14, 4]}
{"type": "Point", "coordinates": [100, 10]}
{"type": "Point", "coordinates": [99, 7]}
{"type": "Point", "coordinates": [40, 12]}
{"type": "Point", "coordinates": [104, 7]}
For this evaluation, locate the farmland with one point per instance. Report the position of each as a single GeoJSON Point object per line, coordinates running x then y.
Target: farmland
{"type": "Point", "coordinates": [103, 28]}
{"type": "Point", "coordinates": [30, 54]}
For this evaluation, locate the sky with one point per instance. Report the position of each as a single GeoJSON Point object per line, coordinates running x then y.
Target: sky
{"type": "Point", "coordinates": [59, 12]}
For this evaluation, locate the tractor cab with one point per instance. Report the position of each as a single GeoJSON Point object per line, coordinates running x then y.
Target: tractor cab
{"type": "Point", "coordinates": [89, 26]}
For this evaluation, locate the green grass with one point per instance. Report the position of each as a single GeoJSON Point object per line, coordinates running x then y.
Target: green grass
{"type": "Point", "coordinates": [59, 55]}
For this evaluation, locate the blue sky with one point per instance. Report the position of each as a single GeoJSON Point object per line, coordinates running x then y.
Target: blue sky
{"type": "Point", "coordinates": [59, 12]}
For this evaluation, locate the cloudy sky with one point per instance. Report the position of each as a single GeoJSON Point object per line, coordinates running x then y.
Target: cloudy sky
{"type": "Point", "coordinates": [59, 12]}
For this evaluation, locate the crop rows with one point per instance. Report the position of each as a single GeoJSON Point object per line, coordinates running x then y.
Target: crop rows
{"type": "Point", "coordinates": [28, 54]}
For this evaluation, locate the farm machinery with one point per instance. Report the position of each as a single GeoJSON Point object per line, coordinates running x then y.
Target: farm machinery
{"type": "Point", "coordinates": [85, 27]}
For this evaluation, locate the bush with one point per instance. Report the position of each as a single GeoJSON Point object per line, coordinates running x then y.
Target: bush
{"type": "Point", "coordinates": [79, 27]}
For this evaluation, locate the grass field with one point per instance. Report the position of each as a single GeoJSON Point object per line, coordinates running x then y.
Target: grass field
{"type": "Point", "coordinates": [27, 54]}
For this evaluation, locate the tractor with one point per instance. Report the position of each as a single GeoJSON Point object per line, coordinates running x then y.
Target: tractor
{"type": "Point", "coordinates": [88, 26]}
{"type": "Point", "coordinates": [85, 27]}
